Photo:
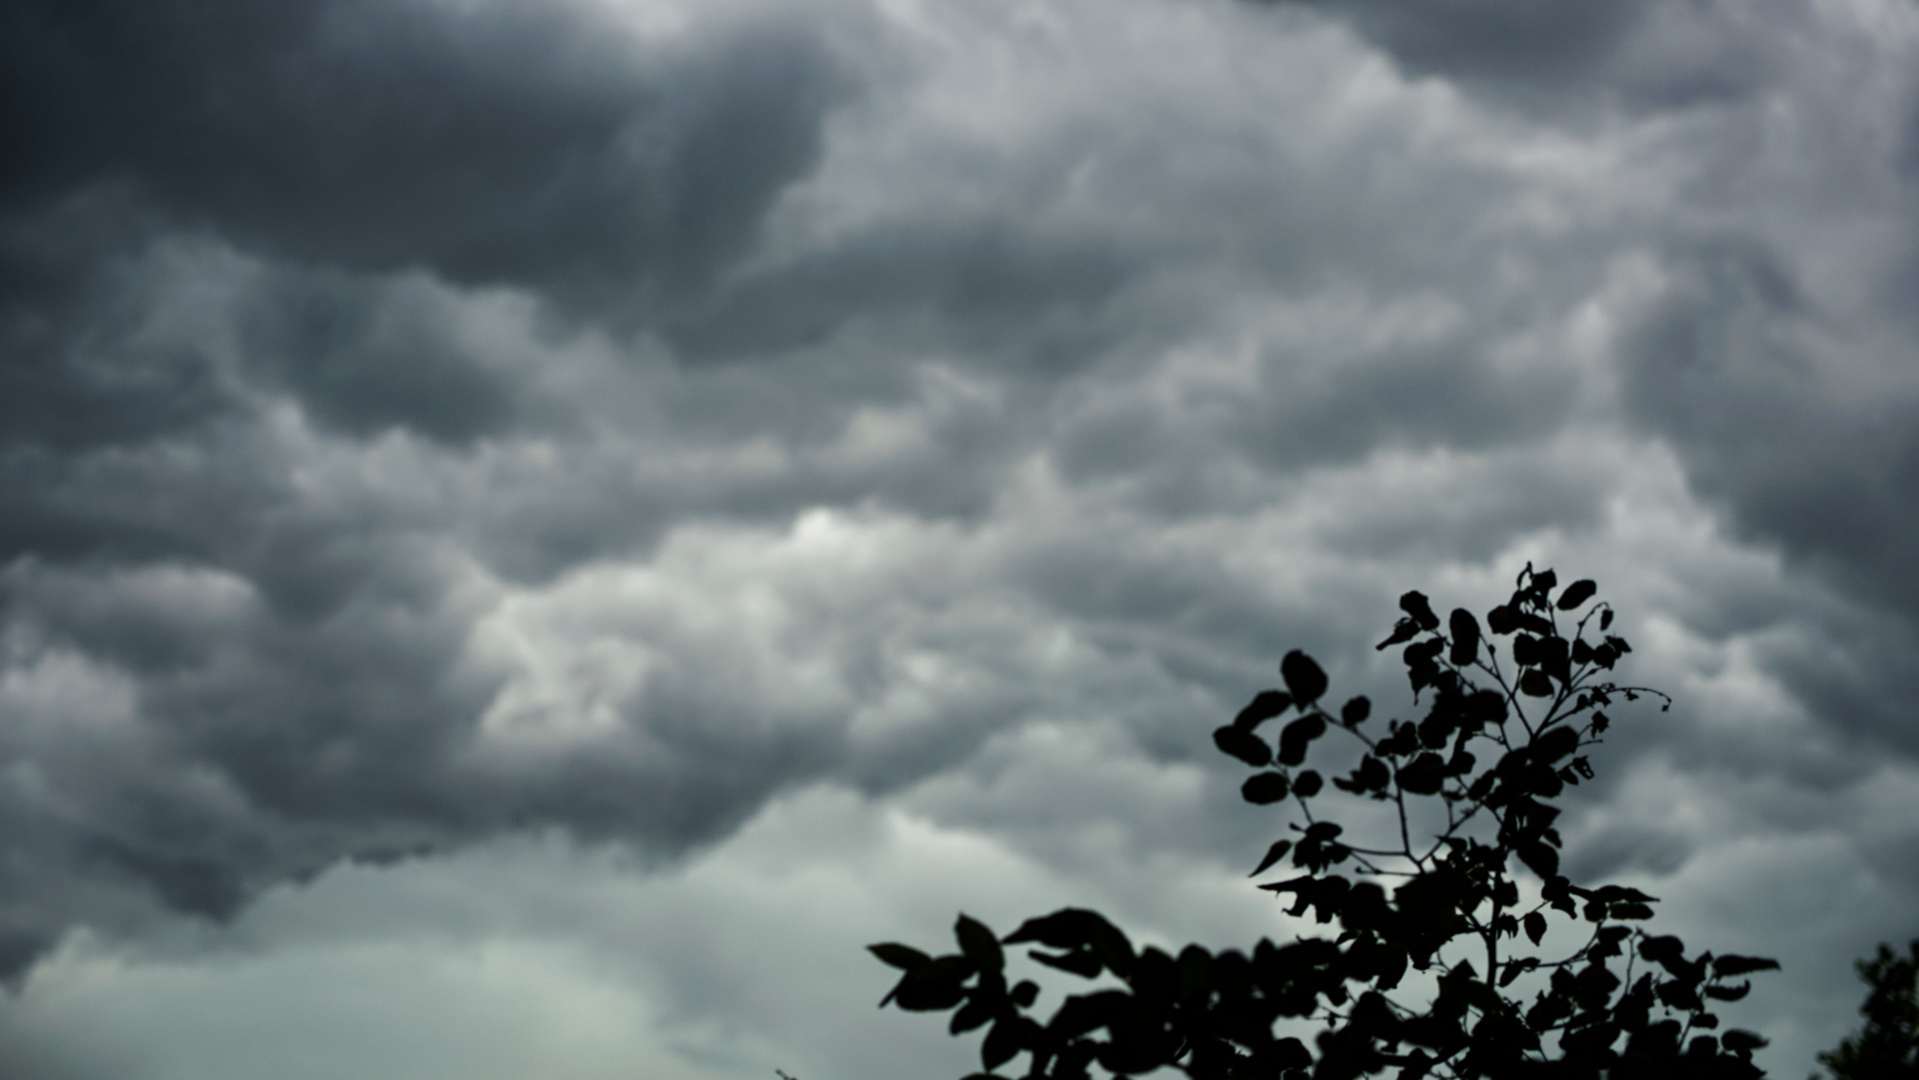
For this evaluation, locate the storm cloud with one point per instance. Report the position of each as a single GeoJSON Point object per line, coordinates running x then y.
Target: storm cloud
{"type": "Point", "coordinates": [597, 460]}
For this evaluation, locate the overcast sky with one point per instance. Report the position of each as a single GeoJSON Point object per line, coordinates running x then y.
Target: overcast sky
{"type": "Point", "coordinates": [533, 530]}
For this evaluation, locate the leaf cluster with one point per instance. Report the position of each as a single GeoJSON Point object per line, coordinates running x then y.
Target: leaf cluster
{"type": "Point", "coordinates": [1441, 958]}
{"type": "Point", "coordinates": [1886, 1047]}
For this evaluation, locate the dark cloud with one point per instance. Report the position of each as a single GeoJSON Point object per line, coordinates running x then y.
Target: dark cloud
{"type": "Point", "coordinates": [1500, 39]}
{"type": "Point", "coordinates": [1397, 399]}
{"type": "Point", "coordinates": [226, 238]}
{"type": "Point", "coordinates": [988, 284]}
{"type": "Point", "coordinates": [1762, 389]}
{"type": "Point", "coordinates": [1773, 355]}
{"type": "Point", "coordinates": [364, 356]}
{"type": "Point", "coordinates": [71, 377]}
{"type": "Point", "coordinates": [252, 741]}
{"type": "Point", "coordinates": [491, 144]}
{"type": "Point", "coordinates": [425, 423]}
{"type": "Point", "coordinates": [1642, 55]}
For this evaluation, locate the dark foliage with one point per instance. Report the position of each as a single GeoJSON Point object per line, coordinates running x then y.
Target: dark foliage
{"type": "Point", "coordinates": [1443, 958]}
{"type": "Point", "coordinates": [1887, 1046]}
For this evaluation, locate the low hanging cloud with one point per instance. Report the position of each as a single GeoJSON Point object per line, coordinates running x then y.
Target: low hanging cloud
{"type": "Point", "coordinates": [429, 423]}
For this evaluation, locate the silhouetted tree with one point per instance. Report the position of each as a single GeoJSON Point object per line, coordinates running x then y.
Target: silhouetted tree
{"type": "Point", "coordinates": [1447, 961]}
{"type": "Point", "coordinates": [1887, 1046]}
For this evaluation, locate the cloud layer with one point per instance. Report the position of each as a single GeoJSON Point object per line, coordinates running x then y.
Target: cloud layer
{"type": "Point", "coordinates": [426, 428]}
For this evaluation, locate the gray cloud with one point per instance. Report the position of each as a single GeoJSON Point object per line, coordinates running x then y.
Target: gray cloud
{"type": "Point", "coordinates": [285, 671]}
{"type": "Point", "coordinates": [1493, 38]}
{"type": "Point", "coordinates": [987, 283]}
{"type": "Point", "coordinates": [491, 144]}
{"type": "Point", "coordinates": [1759, 381]}
{"type": "Point", "coordinates": [427, 424]}
{"type": "Point", "coordinates": [1640, 55]}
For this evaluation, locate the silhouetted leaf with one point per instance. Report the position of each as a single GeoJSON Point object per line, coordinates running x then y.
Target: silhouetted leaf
{"type": "Point", "coordinates": [1465, 633]}
{"type": "Point", "coordinates": [1421, 609]}
{"type": "Point", "coordinates": [927, 995]}
{"type": "Point", "coordinates": [1557, 892]}
{"type": "Point", "coordinates": [1265, 705]}
{"type": "Point", "coordinates": [1577, 593]}
{"type": "Point", "coordinates": [1066, 928]}
{"type": "Point", "coordinates": [1730, 965]}
{"type": "Point", "coordinates": [1423, 775]}
{"type": "Point", "coordinates": [1502, 620]}
{"type": "Point", "coordinates": [1555, 743]}
{"type": "Point", "coordinates": [1606, 941]}
{"type": "Point", "coordinates": [1303, 677]}
{"type": "Point", "coordinates": [1738, 1040]}
{"type": "Point", "coordinates": [1082, 962]}
{"type": "Point", "coordinates": [1136, 1049]}
{"type": "Point", "coordinates": [904, 957]}
{"type": "Point", "coordinates": [1403, 630]}
{"type": "Point", "coordinates": [1372, 773]}
{"type": "Point", "coordinates": [1307, 784]}
{"type": "Point", "coordinates": [1680, 995]}
{"type": "Point", "coordinates": [1703, 1046]}
{"type": "Point", "coordinates": [1297, 735]}
{"type": "Point", "coordinates": [1422, 652]}
{"type": "Point", "coordinates": [1516, 968]}
{"type": "Point", "coordinates": [1289, 1053]}
{"type": "Point", "coordinates": [1195, 972]}
{"type": "Point", "coordinates": [1264, 789]}
{"type": "Point", "coordinates": [1535, 683]}
{"type": "Point", "coordinates": [973, 1014]}
{"type": "Point", "coordinates": [1355, 712]}
{"type": "Point", "coordinates": [1555, 658]}
{"type": "Point", "coordinates": [1273, 854]}
{"type": "Point", "coordinates": [1593, 985]}
{"type": "Point", "coordinates": [1664, 950]}
{"type": "Point", "coordinates": [979, 945]}
{"type": "Point", "coordinates": [1549, 1011]}
{"type": "Point", "coordinates": [1001, 1043]}
{"type": "Point", "coordinates": [1538, 857]}
{"type": "Point", "coordinates": [1391, 970]}
{"type": "Point", "coordinates": [1244, 745]}
{"type": "Point", "coordinates": [1525, 650]}
{"type": "Point", "coordinates": [1729, 993]}
{"type": "Point", "coordinates": [1605, 620]}
{"type": "Point", "coordinates": [1436, 729]}
{"type": "Point", "coordinates": [1608, 894]}
{"type": "Point", "coordinates": [1484, 707]}
{"type": "Point", "coordinates": [1370, 776]}
{"type": "Point", "coordinates": [1302, 885]}
{"type": "Point", "coordinates": [1083, 1013]}
{"type": "Point", "coordinates": [1535, 924]}
{"type": "Point", "coordinates": [1534, 623]}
